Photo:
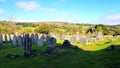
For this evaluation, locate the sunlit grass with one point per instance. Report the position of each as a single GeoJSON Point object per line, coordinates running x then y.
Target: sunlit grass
{"type": "Point", "coordinates": [94, 55]}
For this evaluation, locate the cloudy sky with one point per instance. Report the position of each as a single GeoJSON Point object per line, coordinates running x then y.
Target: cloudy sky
{"type": "Point", "coordinates": [76, 11]}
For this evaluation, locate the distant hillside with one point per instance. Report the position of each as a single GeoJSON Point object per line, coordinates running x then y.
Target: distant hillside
{"type": "Point", "coordinates": [56, 23]}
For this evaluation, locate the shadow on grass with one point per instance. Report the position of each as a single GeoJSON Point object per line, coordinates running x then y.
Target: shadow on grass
{"type": "Point", "coordinates": [72, 57]}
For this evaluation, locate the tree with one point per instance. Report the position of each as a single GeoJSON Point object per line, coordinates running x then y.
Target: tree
{"type": "Point", "coordinates": [43, 28]}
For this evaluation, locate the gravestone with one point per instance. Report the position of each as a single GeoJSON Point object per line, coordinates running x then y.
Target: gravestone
{"type": "Point", "coordinates": [42, 37]}
{"type": "Point", "coordinates": [0, 39]}
{"type": "Point", "coordinates": [19, 40]}
{"type": "Point", "coordinates": [11, 37]}
{"type": "Point", "coordinates": [83, 41]}
{"type": "Point", "coordinates": [58, 36]}
{"type": "Point", "coordinates": [92, 39]}
{"type": "Point", "coordinates": [32, 37]}
{"type": "Point", "coordinates": [48, 40]}
{"type": "Point", "coordinates": [73, 39]}
{"type": "Point", "coordinates": [52, 41]}
{"type": "Point", "coordinates": [16, 34]}
{"type": "Point", "coordinates": [36, 37]}
{"type": "Point", "coordinates": [40, 42]}
{"type": "Point", "coordinates": [5, 36]}
{"type": "Point", "coordinates": [99, 36]}
{"type": "Point", "coordinates": [27, 45]}
{"type": "Point", "coordinates": [14, 41]}
{"type": "Point", "coordinates": [63, 36]}
{"type": "Point", "coordinates": [8, 37]}
{"type": "Point", "coordinates": [66, 43]}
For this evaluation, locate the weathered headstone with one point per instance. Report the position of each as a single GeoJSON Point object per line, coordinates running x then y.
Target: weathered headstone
{"type": "Point", "coordinates": [5, 36]}
{"type": "Point", "coordinates": [27, 46]}
{"type": "Point", "coordinates": [58, 36]}
{"type": "Point", "coordinates": [73, 39]}
{"type": "Point", "coordinates": [8, 37]}
{"type": "Point", "coordinates": [99, 36]}
{"type": "Point", "coordinates": [19, 40]}
{"type": "Point", "coordinates": [36, 37]}
{"type": "Point", "coordinates": [42, 37]}
{"type": "Point", "coordinates": [92, 39]}
{"type": "Point", "coordinates": [14, 41]}
{"type": "Point", "coordinates": [0, 39]}
{"type": "Point", "coordinates": [40, 42]}
{"type": "Point", "coordinates": [32, 37]}
{"type": "Point", "coordinates": [66, 43]}
{"type": "Point", "coordinates": [83, 41]}
{"type": "Point", "coordinates": [11, 37]}
{"type": "Point", "coordinates": [48, 40]}
{"type": "Point", "coordinates": [16, 34]}
{"type": "Point", "coordinates": [52, 41]}
{"type": "Point", "coordinates": [63, 36]}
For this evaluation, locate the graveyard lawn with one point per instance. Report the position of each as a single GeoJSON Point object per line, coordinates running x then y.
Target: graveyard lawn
{"type": "Point", "coordinates": [94, 55]}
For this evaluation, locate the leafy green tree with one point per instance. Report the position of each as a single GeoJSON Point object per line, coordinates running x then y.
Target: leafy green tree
{"type": "Point", "coordinates": [43, 28]}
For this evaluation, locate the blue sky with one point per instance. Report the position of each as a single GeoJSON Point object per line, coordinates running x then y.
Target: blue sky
{"type": "Point", "coordinates": [76, 11]}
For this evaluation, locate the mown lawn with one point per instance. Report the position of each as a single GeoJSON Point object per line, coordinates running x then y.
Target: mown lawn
{"type": "Point", "coordinates": [94, 55]}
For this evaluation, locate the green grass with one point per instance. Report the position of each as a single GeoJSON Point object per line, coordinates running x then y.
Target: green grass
{"type": "Point", "coordinates": [94, 55]}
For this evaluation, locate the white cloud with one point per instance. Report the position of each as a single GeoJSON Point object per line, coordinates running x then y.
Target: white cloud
{"type": "Point", "coordinates": [110, 19]}
{"type": "Point", "coordinates": [28, 5]}
{"type": "Point", "coordinates": [1, 11]}
{"type": "Point", "coordinates": [113, 17]}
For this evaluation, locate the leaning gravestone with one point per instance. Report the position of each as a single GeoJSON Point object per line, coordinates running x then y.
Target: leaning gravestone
{"type": "Point", "coordinates": [0, 39]}
{"type": "Point", "coordinates": [19, 40]}
{"type": "Point", "coordinates": [14, 41]}
{"type": "Point", "coordinates": [83, 41]}
{"type": "Point", "coordinates": [27, 45]}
